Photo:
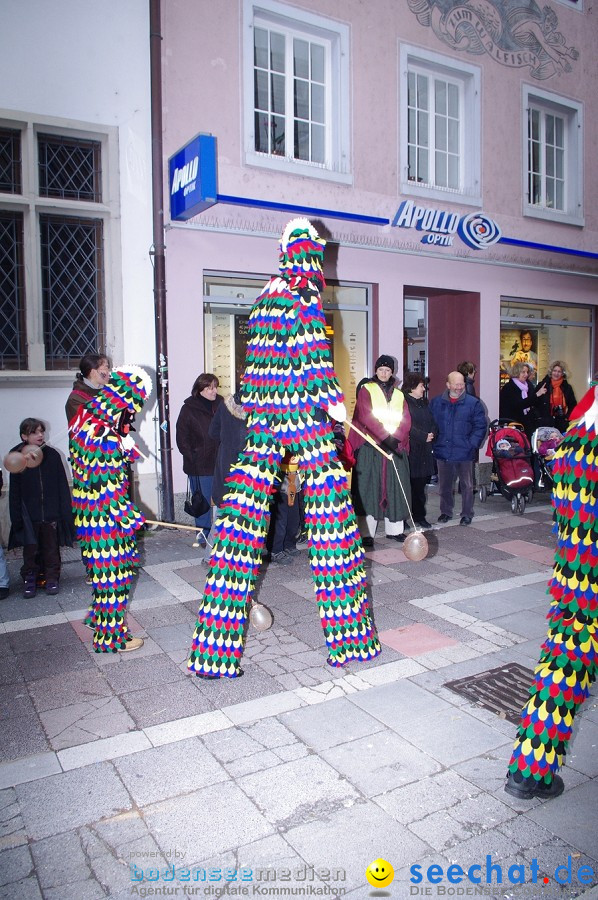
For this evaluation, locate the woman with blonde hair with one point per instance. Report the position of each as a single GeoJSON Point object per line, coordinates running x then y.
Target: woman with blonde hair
{"type": "Point", "coordinates": [519, 401]}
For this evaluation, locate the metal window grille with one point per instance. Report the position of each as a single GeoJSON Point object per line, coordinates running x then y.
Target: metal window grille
{"type": "Point", "coordinates": [13, 354]}
{"type": "Point", "coordinates": [72, 288]}
{"type": "Point", "coordinates": [69, 168]}
{"type": "Point", "coordinates": [10, 161]}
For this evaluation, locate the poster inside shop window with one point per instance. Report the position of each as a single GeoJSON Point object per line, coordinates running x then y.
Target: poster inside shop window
{"type": "Point", "coordinates": [528, 345]}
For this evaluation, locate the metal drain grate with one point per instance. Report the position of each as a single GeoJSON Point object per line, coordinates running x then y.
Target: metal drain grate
{"type": "Point", "coordinates": [503, 691]}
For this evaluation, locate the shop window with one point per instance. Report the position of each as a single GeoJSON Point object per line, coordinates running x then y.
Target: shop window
{"type": "Point", "coordinates": [227, 304]}
{"type": "Point", "coordinates": [296, 77]}
{"type": "Point", "coordinates": [415, 313]}
{"type": "Point", "coordinates": [553, 141]}
{"type": "Point", "coordinates": [440, 118]}
{"type": "Point", "coordinates": [52, 294]}
{"type": "Point", "coordinates": [540, 333]}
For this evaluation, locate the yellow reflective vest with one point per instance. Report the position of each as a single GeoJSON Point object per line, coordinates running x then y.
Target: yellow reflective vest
{"type": "Point", "coordinates": [388, 412]}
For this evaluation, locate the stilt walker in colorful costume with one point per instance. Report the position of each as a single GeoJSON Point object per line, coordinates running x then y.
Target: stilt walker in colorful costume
{"type": "Point", "coordinates": [290, 393]}
{"type": "Point", "coordinates": [569, 657]}
{"type": "Point", "coordinates": [105, 519]}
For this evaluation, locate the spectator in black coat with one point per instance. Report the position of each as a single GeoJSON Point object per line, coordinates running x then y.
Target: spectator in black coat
{"type": "Point", "coordinates": [229, 428]}
{"type": "Point", "coordinates": [194, 442]}
{"type": "Point", "coordinates": [519, 400]}
{"type": "Point", "coordinates": [4, 579]}
{"type": "Point", "coordinates": [468, 371]}
{"type": "Point", "coordinates": [41, 514]}
{"type": "Point", "coordinates": [421, 435]}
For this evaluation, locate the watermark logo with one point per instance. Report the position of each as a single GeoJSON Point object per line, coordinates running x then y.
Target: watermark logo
{"type": "Point", "coordinates": [492, 873]}
{"type": "Point", "coordinates": [182, 881]}
{"type": "Point", "coordinates": [380, 873]}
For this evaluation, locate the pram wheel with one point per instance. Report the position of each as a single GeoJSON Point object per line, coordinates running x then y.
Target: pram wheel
{"type": "Point", "coordinates": [483, 493]}
{"type": "Point", "coordinates": [518, 504]}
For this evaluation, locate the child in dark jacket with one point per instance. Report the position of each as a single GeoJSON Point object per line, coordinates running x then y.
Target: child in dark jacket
{"type": "Point", "coordinates": [40, 511]}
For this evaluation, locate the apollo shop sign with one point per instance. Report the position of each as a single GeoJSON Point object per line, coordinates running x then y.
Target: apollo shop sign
{"type": "Point", "coordinates": [192, 178]}
{"type": "Point", "coordinates": [475, 230]}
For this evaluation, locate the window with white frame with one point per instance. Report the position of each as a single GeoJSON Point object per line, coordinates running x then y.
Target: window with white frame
{"type": "Point", "coordinates": [440, 127]}
{"type": "Point", "coordinates": [553, 140]}
{"type": "Point", "coordinates": [296, 89]}
{"type": "Point", "coordinates": [52, 246]}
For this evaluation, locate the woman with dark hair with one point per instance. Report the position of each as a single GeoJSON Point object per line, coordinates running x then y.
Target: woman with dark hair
{"type": "Point", "coordinates": [195, 444]}
{"type": "Point", "coordinates": [93, 374]}
{"type": "Point", "coordinates": [559, 397]}
{"type": "Point", "coordinates": [422, 433]}
{"type": "Point", "coordinates": [468, 370]}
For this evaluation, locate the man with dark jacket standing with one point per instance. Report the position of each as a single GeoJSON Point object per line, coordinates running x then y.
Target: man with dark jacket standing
{"type": "Point", "coordinates": [461, 424]}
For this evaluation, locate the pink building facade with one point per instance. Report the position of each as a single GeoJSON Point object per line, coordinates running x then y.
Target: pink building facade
{"type": "Point", "coordinates": [445, 149]}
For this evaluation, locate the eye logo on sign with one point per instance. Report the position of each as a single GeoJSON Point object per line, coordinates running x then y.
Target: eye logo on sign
{"type": "Point", "coordinates": [478, 231]}
{"type": "Point", "coordinates": [475, 230]}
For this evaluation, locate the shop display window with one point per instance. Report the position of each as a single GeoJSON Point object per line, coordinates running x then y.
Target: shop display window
{"type": "Point", "coordinates": [227, 304]}
{"type": "Point", "coordinates": [541, 332]}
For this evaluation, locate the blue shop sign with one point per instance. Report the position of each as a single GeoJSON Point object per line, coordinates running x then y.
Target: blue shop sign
{"type": "Point", "coordinates": [475, 230]}
{"type": "Point", "coordinates": [192, 178]}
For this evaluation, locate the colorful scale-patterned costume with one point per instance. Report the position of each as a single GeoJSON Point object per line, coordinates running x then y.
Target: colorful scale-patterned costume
{"type": "Point", "coordinates": [289, 391]}
{"type": "Point", "coordinates": [105, 518]}
{"type": "Point", "coordinates": [569, 657]}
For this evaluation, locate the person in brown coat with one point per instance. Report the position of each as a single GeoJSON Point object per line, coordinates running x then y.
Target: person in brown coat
{"type": "Point", "coordinates": [93, 374]}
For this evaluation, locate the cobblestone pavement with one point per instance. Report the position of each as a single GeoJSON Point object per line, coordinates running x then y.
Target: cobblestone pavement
{"type": "Point", "coordinates": [117, 767]}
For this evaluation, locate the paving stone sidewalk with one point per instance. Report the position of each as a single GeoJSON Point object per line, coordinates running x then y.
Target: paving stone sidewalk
{"type": "Point", "coordinates": [113, 764]}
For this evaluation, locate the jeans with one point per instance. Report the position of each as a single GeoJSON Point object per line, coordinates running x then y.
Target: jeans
{"type": "Point", "coordinates": [205, 483]}
{"type": "Point", "coordinates": [4, 582]}
{"type": "Point", "coordinates": [285, 523]}
{"type": "Point", "coordinates": [447, 472]}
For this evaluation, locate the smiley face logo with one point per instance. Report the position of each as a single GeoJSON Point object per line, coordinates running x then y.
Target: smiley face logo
{"type": "Point", "coordinates": [379, 873]}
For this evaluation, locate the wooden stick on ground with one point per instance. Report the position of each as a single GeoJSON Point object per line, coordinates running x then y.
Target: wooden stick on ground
{"type": "Point", "coordinates": [171, 525]}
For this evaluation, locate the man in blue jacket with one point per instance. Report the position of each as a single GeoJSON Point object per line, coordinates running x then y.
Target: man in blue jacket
{"type": "Point", "coordinates": [461, 424]}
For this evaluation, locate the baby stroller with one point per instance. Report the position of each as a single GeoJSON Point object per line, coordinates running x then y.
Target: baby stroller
{"type": "Point", "coordinates": [545, 441]}
{"type": "Point", "coordinates": [512, 472]}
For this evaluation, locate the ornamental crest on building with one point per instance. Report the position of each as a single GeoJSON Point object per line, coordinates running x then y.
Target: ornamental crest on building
{"type": "Point", "coordinates": [515, 33]}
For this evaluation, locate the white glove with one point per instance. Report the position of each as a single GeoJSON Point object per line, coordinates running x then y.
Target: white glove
{"type": "Point", "coordinates": [337, 411]}
{"type": "Point", "coordinates": [128, 442]}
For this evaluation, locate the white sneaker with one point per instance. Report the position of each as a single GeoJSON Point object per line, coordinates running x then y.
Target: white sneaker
{"type": "Point", "coordinates": [200, 540]}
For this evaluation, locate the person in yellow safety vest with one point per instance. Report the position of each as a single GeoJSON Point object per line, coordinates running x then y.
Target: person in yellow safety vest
{"type": "Point", "coordinates": [382, 414]}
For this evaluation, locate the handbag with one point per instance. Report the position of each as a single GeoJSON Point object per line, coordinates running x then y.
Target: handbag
{"type": "Point", "coordinates": [195, 504]}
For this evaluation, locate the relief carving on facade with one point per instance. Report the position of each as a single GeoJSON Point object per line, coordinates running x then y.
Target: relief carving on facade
{"type": "Point", "coordinates": [515, 33]}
